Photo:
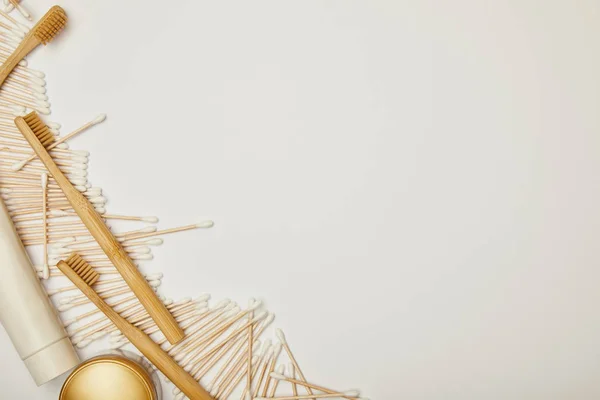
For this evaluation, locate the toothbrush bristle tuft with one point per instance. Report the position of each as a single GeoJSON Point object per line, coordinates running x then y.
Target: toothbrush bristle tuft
{"type": "Point", "coordinates": [39, 128]}
{"type": "Point", "coordinates": [83, 269]}
{"type": "Point", "coordinates": [50, 25]}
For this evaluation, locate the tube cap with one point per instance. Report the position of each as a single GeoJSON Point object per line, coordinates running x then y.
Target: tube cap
{"type": "Point", "coordinates": [52, 361]}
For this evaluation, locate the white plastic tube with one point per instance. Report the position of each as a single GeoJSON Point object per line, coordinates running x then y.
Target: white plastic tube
{"type": "Point", "coordinates": [26, 313]}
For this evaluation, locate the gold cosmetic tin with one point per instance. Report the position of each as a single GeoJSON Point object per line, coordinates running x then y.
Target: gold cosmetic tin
{"type": "Point", "coordinates": [109, 378]}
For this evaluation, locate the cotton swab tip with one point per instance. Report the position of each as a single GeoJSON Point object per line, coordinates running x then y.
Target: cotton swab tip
{"type": "Point", "coordinates": [18, 165]}
{"type": "Point", "coordinates": [280, 335]}
{"type": "Point", "coordinates": [281, 370]}
{"type": "Point", "coordinates": [202, 298]}
{"type": "Point", "coordinates": [255, 305]}
{"type": "Point", "coordinates": [221, 304]}
{"type": "Point", "coordinates": [203, 310]}
{"type": "Point", "coordinates": [84, 343]}
{"type": "Point", "coordinates": [44, 180]}
{"type": "Point", "coordinates": [40, 96]}
{"type": "Point", "coordinates": [269, 319]}
{"type": "Point", "coordinates": [46, 272]}
{"type": "Point", "coordinates": [266, 346]}
{"type": "Point", "coordinates": [351, 393]}
{"type": "Point", "coordinates": [98, 335]}
{"type": "Point", "coordinates": [115, 346]}
{"type": "Point", "coordinates": [99, 118]}
{"type": "Point", "coordinates": [155, 276]}
{"type": "Point", "coordinates": [69, 322]}
{"type": "Point", "coordinates": [150, 220]}
{"type": "Point", "coordinates": [205, 224]}
{"type": "Point", "coordinates": [183, 301]}
{"type": "Point", "coordinates": [98, 200]}
{"type": "Point", "coordinates": [58, 213]}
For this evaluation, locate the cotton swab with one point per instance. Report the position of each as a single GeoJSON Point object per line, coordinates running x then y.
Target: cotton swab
{"type": "Point", "coordinates": [263, 370]}
{"type": "Point", "coordinates": [281, 336]}
{"type": "Point", "coordinates": [294, 381]}
{"type": "Point", "coordinates": [276, 352]}
{"type": "Point", "coordinates": [100, 118]}
{"type": "Point", "coordinates": [203, 345]}
{"type": "Point", "coordinates": [257, 365]}
{"type": "Point", "coordinates": [202, 367]}
{"type": "Point", "coordinates": [280, 370]}
{"type": "Point", "coordinates": [249, 356]}
{"type": "Point", "coordinates": [237, 380]}
{"type": "Point", "coordinates": [220, 387]}
{"type": "Point", "coordinates": [20, 9]}
{"type": "Point", "coordinates": [349, 393]}
{"type": "Point", "coordinates": [292, 374]}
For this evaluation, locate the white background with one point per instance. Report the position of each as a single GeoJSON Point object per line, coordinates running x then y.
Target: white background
{"type": "Point", "coordinates": [411, 186]}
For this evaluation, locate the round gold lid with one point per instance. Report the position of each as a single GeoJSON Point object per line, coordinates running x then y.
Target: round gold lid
{"type": "Point", "coordinates": [108, 378]}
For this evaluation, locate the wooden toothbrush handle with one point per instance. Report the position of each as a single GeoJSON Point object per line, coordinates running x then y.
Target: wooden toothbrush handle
{"type": "Point", "coordinates": [27, 45]}
{"type": "Point", "coordinates": [153, 352]}
{"type": "Point", "coordinates": [109, 244]}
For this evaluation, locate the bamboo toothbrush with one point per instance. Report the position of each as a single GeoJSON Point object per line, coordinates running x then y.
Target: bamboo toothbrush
{"type": "Point", "coordinates": [42, 33]}
{"type": "Point", "coordinates": [39, 137]}
{"type": "Point", "coordinates": [84, 276]}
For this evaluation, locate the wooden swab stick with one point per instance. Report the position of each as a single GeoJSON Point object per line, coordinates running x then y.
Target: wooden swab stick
{"type": "Point", "coordinates": [263, 370]}
{"type": "Point", "coordinates": [151, 220]}
{"type": "Point", "coordinates": [213, 324]}
{"type": "Point", "coordinates": [232, 335]}
{"type": "Point", "coordinates": [237, 380]}
{"type": "Point", "coordinates": [276, 352]}
{"type": "Point", "coordinates": [17, 24]}
{"type": "Point", "coordinates": [203, 344]}
{"type": "Point", "coordinates": [46, 271]}
{"type": "Point", "coordinates": [96, 311]}
{"type": "Point", "coordinates": [221, 387]}
{"type": "Point", "coordinates": [233, 359]}
{"type": "Point", "coordinates": [20, 9]}
{"type": "Point", "coordinates": [249, 356]}
{"type": "Point", "coordinates": [294, 382]}
{"type": "Point", "coordinates": [258, 364]}
{"type": "Point", "coordinates": [349, 393]}
{"type": "Point", "coordinates": [201, 225]}
{"type": "Point", "coordinates": [292, 374]}
{"type": "Point", "coordinates": [202, 367]}
{"type": "Point", "coordinates": [215, 316]}
{"type": "Point", "coordinates": [280, 370]}
{"type": "Point", "coordinates": [281, 336]}
{"type": "Point", "coordinates": [53, 292]}
{"type": "Point", "coordinates": [123, 236]}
